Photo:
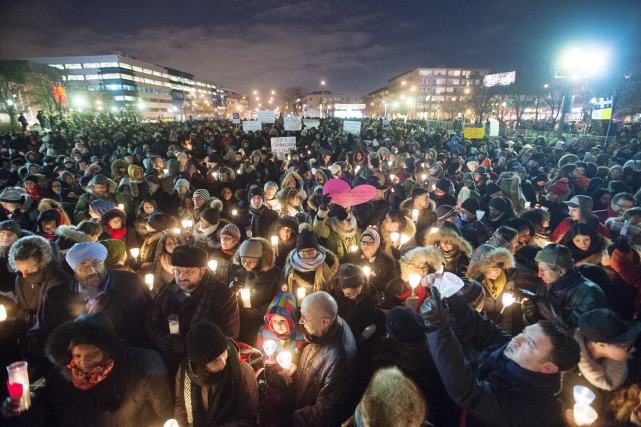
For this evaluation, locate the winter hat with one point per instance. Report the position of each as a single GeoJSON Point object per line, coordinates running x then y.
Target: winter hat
{"type": "Point", "coordinates": [202, 193]}
{"type": "Point", "coordinates": [12, 226]}
{"type": "Point", "coordinates": [210, 215]}
{"type": "Point", "coordinates": [498, 203]}
{"type": "Point", "coordinates": [100, 206]}
{"type": "Point", "coordinates": [403, 176]}
{"type": "Point", "coordinates": [444, 184]}
{"type": "Point", "coordinates": [303, 169]}
{"type": "Point", "coordinates": [188, 256]}
{"type": "Point", "coordinates": [472, 165]}
{"type": "Point", "coordinates": [444, 212]}
{"type": "Point", "coordinates": [251, 248]}
{"type": "Point", "coordinates": [374, 162]}
{"type": "Point", "coordinates": [492, 188]}
{"type": "Point", "coordinates": [116, 249]}
{"type": "Point", "coordinates": [257, 191]}
{"type": "Point", "coordinates": [404, 325]}
{"type": "Point", "coordinates": [283, 304]}
{"type": "Point", "coordinates": [100, 180]}
{"type": "Point", "coordinates": [481, 170]}
{"type": "Point", "coordinates": [182, 182]}
{"type": "Point", "coordinates": [287, 221]}
{"type": "Point", "coordinates": [556, 255]}
{"type": "Point", "coordinates": [205, 343]}
{"type": "Point", "coordinates": [334, 169]}
{"type": "Point", "coordinates": [232, 231]}
{"type": "Point", "coordinates": [486, 162]}
{"type": "Point", "coordinates": [12, 195]}
{"type": "Point", "coordinates": [580, 200]}
{"type": "Point", "coordinates": [80, 252]}
{"type": "Point", "coordinates": [306, 239]}
{"type": "Point", "coordinates": [471, 205]}
{"type": "Point", "coordinates": [49, 215]}
{"type": "Point", "coordinates": [338, 212]}
{"type": "Point", "coordinates": [604, 325]}
{"type": "Point", "coordinates": [472, 292]}
{"type": "Point", "coordinates": [31, 178]}
{"type": "Point", "coordinates": [160, 221]}
{"type": "Point", "coordinates": [436, 169]}
{"type": "Point", "coordinates": [560, 187]}
{"type": "Point", "coordinates": [374, 235]}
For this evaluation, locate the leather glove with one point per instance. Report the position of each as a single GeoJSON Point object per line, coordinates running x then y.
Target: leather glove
{"type": "Point", "coordinates": [172, 344]}
{"type": "Point", "coordinates": [531, 311]}
{"type": "Point", "coordinates": [324, 202]}
{"type": "Point", "coordinates": [434, 312]}
{"type": "Point", "coordinates": [524, 293]}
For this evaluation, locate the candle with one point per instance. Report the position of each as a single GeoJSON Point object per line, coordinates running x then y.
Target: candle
{"type": "Point", "coordinates": [527, 205]}
{"type": "Point", "coordinates": [121, 206]}
{"type": "Point", "coordinates": [18, 373]}
{"type": "Point", "coordinates": [171, 423]}
{"type": "Point", "coordinates": [274, 240]}
{"type": "Point", "coordinates": [270, 347]}
{"type": "Point", "coordinates": [284, 359]}
{"type": "Point", "coordinates": [583, 395]}
{"type": "Point", "coordinates": [353, 248]}
{"type": "Point", "coordinates": [507, 300]}
{"type": "Point", "coordinates": [187, 223]}
{"type": "Point", "coordinates": [394, 236]}
{"type": "Point", "coordinates": [433, 229]}
{"type": "Point", "coordinates": [134, 252]}
{"type": "Point", "coordinates": [165, 170]}
{"type": "Point", "coordinates": [404, 238]}
{"type": "Point", "coordinates": [3, 313]}
{"type": "Point", "coordinates": [389, 164]}
{"type": "Point", "coordinates": [414, 280]}
{"type": "Point", "coordinates": [176, 230]}
{"type": "Point", "coordinates": [213, 265]}
{"type": "Point", "coordinates": [238, 171]}
{"type": "Point", "coordinates": [424, 176]}
{"type": "Point", "coordinates": [245, 295]}
{"type": "Point", "coordinates": [149, 280]}
{"type": "Point", "coordinates": [357, 169]}
{"type": "Point", "coordinates": [414, 215]}
{"type": "Point", "coordinates": [367, 271]}
{"type": "Point", "coordinates": [234, 212]}
{"type": "Point", "coordinates": [174, 324]}
{"type": "Point", "coordinates": [391, 177]}
{"type": "Point", "coordinates": [300, 294]}
{"type": "Point", "coordinates": [584, 415]}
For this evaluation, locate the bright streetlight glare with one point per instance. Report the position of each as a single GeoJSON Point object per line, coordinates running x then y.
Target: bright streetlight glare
{"type": "Point", "coordinates": [578, 63]}
{"type": "Point", "coordinates": [79, 101]}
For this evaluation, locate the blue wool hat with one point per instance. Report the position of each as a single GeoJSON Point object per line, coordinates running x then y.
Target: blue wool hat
{"type": "Point", "coordinates": [80, 252]}
{"type": "Point", "coordinates": [100, 206]}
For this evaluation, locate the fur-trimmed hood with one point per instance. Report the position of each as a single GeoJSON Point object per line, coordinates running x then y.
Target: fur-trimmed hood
{"type": "Point", "coordinates": [486, 257]}
{"type": "Point", "coordinates": [433, 238]}
{"type": "Point", "coordinates": [112, 187]}
{"type": "Point", "coordinates": [409, 230]}
{"type": "Point", "coordinates": [288, 176]}
{"type": "Point", "coordinates": [407, 205]}
{"type": "Point", "coordinates": [32, 241]}
{"type": "Point", "coordinates": [415, 259]}
{"type": "Point", "coordinates": [111, 214]}
{"type": "Point", "coordinates": [118, 164]}
{"type": "Point", "coordinates": [70, 232]}
{"type": "Point", "coordinates": [267, 261]}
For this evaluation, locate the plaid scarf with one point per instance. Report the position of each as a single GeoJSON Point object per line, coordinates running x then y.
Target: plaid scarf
{"type": "Point", "coordinates": [86, 380]}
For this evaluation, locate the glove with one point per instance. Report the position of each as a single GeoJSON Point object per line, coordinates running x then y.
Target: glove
{"type": "Point", "coordinates": [524, 293]}
{"type": "Point", "coordinates": [531, 311]}
{"type": "Point", "coordinates": [324, 202]}
{"type": "Point", "coordinates": [434, 312]}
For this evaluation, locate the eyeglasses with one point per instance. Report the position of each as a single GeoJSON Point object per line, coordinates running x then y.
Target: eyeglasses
{"type": "Point", "coordinates": [86, 268]}
{"type": "Point", "coordinates": [626, 207]}
{"type": "Point", "coordinates": [186, 271]}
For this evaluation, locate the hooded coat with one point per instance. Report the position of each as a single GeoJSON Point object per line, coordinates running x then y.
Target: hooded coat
{"type": "Point", "coordinates": [458, 259]}
{"type": "Point", "coordinates": [263, 284]}
{"type": "Point", "coordinates": [386, 241]}
{"type": "Point", "coordinates": [426, 217]}
{"type": "Point", "coordinates": [108, 233]}
{"type": "Point", "coordinates": [283, 304]}
{"type": "Point", "coordinates": [322, 276]}
{"type": "Point", "coordinates": [69, 235]}
{"type": "Point", "coordinates": [331, 229]}
{"type": "Point", "coordinates": [81, 212]}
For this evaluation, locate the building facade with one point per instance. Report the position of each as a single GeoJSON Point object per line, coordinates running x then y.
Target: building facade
{"type": "Point", "coordinates": [325, 104]}
{"type": "Point", "coordinates": [118, 82]}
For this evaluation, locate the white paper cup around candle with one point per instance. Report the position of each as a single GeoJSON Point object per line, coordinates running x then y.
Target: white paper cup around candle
{"type": "Point", "coordinates": [353, 248]}
{"type": "Point", "coordinates": [507, 299]}
{"type": "Point", "coordinates": [414, 280]}
{"type": "Point", "coordinates": [527, 205]}
{"type": "Point", "coordinates": [245, 297]}
{"type": "Point", "coordinates": [414, 215]}
{"type": "Point", "coordinates": [300, 294]}
{"type": "Point", "coordinates": [392, 177]}
{"type": "Point", "coordinates": [583, 395]}
{"type": "Point", "coordinates": [187, 223]}
{"type": "Point", "coordinates": [165, 170]}
{"type": "Point", "coordinates": [149, 280]}
{"type": "Point", "coordinates": [270, 347]}
{"type": "Point", "coordinates": [121, 206]}
{"type": "Point", "coordinates": [18, 373]}
{"type": "Point", "coordinates": [134, 252]}
{"type": "Point", "coordinates": [174, 324]}
{"type": "Point", "coordinates": [433, 229]}
{"type": "Point", "coordinates": [171, 423]}
{"type": "Point", "coordinates": [234, 212]}
{"type": "Point", "coordinates": [3, 313]}
{"type": "Point", "coordinates": [405, 238]}
{"type": "Point", "coordinates": [284, 359]}
{"type": "Point", "coordinates": [394, 236]}
{"type": "Point", "coordinates": [584, 415]}
{"type": "Point", "coordinates": [212, 264]}
{"type": "Point", "coordinates": [367, 271]}
{"type": "Point", "coordinates": [424, 177]}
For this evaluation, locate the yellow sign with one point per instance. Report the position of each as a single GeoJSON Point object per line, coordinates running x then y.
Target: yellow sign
{"type": "Point", "coordinates": [474, 133]}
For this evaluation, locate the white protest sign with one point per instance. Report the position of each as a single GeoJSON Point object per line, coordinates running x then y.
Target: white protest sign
{"type": "Point", "coordinates": [235, 118]}
{"type": "Point", "coordinates": [386, 123]}
{"type": "Point", "coordinates": [251, 125]}
{"type": "Point", "coordinates": [283, 144]}
{"type": "Point", "coordinates": [494, 127]}
{"type": "Point", "coordinates": [266, 116]}
{"type": "Point", "coordinates": [353, 127]}
{"type": "Point", "coordinates": [312, 123]}
{"type": "Point", "coordinates": [293, 123]}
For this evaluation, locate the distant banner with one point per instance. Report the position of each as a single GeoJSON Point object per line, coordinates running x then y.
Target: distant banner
{"type": "Point", "coordinates": [352, 127]}
{"type": "Point", "coordinates": [235, 118]}
{"type": "Point", "coordinates": [293, 123]}
{"type": "Point", "coordinates": [499, 79]}
{"type": "Point", "coordinates": [312, 123]}
{"type": "Point", "coordinates": [602, 108]}
{"type": "Point", "coordinates": [266, 116]}
{"type": "Point", "coordinates": [283, 144]}
{"type": "Point", "coordinates": [386, 123]}
{"type": "Point", "coordinates": [59, 94]}
{"type": "Point", "coordinates": [251, 125]}
{"type": "Point", "coordinates": [474, 133]}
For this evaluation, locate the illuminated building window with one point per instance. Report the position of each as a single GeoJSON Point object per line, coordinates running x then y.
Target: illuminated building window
{"type": "Point", "coordinates": [73, 66]}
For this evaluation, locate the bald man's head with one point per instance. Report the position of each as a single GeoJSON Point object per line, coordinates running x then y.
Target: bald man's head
{"type": "Point", "coordinates": [318, 312]}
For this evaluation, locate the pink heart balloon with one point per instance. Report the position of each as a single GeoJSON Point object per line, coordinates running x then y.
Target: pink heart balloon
{"type": "Point", "coordinates": [343, 195]}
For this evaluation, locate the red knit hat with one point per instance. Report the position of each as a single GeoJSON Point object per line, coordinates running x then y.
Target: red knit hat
{"type": "Point", "coordinates": [486, 162]}
{"type": "Point", "coordinates": [560, 187]}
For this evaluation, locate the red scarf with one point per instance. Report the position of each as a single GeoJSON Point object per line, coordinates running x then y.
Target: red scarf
{"type": "Point", "coordinates": [86, 380]}
{"type": "Point", "coordinates": [118, 234]}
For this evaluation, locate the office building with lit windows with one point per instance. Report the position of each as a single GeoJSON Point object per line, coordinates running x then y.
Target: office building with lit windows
{"type": "Point", "coordinates": [119, 82]}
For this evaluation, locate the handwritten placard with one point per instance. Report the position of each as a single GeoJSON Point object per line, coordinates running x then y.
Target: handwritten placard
{"type": "Point", "coordinates": [283, 144]}
{"type": "Point", "coordinates": [474, 133]}
{"type": "Point", "coordinates": [352, 126]}
{"type": "Point", "coordinates": [293, 123]}
{"type": "Point", "coordinates": [251, 125]}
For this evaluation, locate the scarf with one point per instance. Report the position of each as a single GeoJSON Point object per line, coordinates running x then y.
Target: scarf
{"type": "Point", "coordinates": [86, 380]}
{"type": "Point", "coordinates": [495, 287]}
{"type": "Point", "coordinates": [307, 265]}
{"type": "Point", "coordinates": [221, 401]}
{"type": "Point", "coordinates": [117, 234]}
{"type": "Point", "coordinates": [345, 229]}
{"type": "Point", "coordinates": [230, 252]}
{"type": "Point", "coordinates": [255, 219]}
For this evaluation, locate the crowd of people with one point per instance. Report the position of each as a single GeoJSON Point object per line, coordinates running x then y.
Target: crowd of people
{"type": "Point", "coordinates": [183, 270]}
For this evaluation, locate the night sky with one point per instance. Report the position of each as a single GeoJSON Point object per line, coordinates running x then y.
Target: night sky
{"type": "Point", "coordinates": [355, 46]}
